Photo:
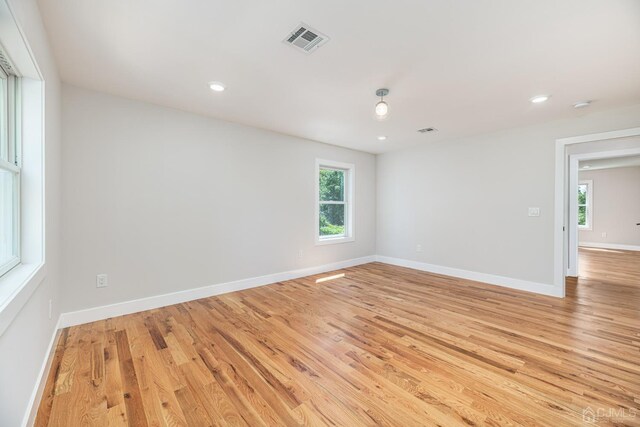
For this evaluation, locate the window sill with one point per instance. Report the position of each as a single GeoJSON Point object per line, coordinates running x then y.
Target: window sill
{"type": "Point", "coordinates": [16, 288]}
{"type": "Point", "coordinates": [585, 228]}
{"type": "Point", "coordinates": [334, 241]}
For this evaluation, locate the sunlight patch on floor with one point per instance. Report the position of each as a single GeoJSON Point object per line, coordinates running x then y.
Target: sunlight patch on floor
{"type": "Point", "coordinates": [613, 251]}
{"type": "Point", "coordinates": [326, 279]}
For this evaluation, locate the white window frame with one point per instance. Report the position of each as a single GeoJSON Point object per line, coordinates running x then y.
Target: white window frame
{"type": "Point", "coordinates": [349, 170]}
{"type": "Point", "coordinates": [589, 205]}
{"type": "Point", "coordinates": [18, 285]}
{"type": "Point", "coordinates": [13, 118]}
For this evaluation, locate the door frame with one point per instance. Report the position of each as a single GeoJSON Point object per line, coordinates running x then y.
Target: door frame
{"type": "Point", "coordinates": [561, 203]}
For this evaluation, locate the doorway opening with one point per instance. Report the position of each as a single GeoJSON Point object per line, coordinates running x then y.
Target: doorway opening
{"type": "Point", "coordinates": [604, 203]}
{"type": "Point", "coordinates": [576, 198]}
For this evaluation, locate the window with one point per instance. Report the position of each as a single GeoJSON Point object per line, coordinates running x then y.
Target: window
{"type": "Point", "coordinates": [585, 205]}
{"type": "Point", "coordinates": [9, 171]}
{"type": "Point", "coordinates": [334, 202]}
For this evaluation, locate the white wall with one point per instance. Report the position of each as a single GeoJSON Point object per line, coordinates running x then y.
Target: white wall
{"type": "Point", "coordinates": [23, 345]}
{"type": "Point", "coordinates": [465, 201]}
{"type": "Point", "coordinates": [616, 206]}
{"type": "Point", "coordinates": [162, 200]}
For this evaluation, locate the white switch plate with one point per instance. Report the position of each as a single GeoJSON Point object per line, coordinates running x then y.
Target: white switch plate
{"type": "Point", "coordinates": [418, 248]}
{"type": "Point", "coordinates": [604, 234]}
{"type": "Point", "coordinates": [534, 211]}
{"type": "Point", "coordinates": [101, 281]}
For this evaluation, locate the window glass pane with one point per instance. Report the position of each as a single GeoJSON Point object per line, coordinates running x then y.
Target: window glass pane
{"type": "Point", "coordinates": [4, 118]}
{"type": "Point", "coordinates": [7, 216]}
{"type": "Point", "coordinates": [331, 185]}
{"type": "Point", "coordinates": [582, 215]}
{"type": "Point", "coordinates": [331, 220]}
{"type": "Point", "coordinates": [582, 194]}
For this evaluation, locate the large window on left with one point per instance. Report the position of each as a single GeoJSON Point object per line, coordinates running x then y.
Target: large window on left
{"type": "Point", "coordinates": [9, 170]}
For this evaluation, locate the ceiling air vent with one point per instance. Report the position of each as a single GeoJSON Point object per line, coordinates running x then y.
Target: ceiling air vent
{"type": "Point", "coordinates": [427, 130]}
{"type": "Point", "coordinates": [305, 38]}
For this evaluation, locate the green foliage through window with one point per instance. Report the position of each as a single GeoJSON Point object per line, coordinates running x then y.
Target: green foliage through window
{"type": "Point", "coordinates": [331, 185]}
{"type": "Point", "coordinates": [332, 214]}
{"type": "Point", "coordinates": [583, 203]}
{"type": "Point", "coordinates": [582, 215]}
{"type": "Point", "coordinates": [331, 220]}
{"type": "Point", "coordinates": [582, 194]}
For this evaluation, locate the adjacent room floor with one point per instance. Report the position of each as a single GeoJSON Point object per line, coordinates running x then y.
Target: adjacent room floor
{"type": "Point", "coordinates": [382, 345]}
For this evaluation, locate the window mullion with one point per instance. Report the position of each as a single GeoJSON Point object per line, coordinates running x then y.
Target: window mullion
{"type": "Point", "coordinates": [15, 119]}
{"type": "Point", "coordinates": [11, 117]}
{"type": "Point", "coordinates": [5, 106]}
{"type": "Point", "coordinates": [10, 168]}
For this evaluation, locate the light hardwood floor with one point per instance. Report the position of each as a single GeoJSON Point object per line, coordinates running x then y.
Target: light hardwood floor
{"type": "Point", "coordinates": [382, 346]}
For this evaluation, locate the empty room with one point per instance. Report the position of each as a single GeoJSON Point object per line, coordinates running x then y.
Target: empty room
{"type": "Point", "coordinates": [287, 213]}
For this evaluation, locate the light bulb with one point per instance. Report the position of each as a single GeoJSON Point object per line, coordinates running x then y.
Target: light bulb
{"type": "Point", "coordinates": [217, 86]}
{"type": "Point", "coordinates": [382, 109]}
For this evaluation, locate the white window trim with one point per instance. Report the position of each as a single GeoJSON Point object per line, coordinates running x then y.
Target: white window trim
{"type": "Point", "coordinates": [589, 184]}
{"type": "Point", "coordinates": [13, 108]}
{"type": "Point", "coordinates": [18, 285]}
{"type": "Point", "coordinates": [349, 202]}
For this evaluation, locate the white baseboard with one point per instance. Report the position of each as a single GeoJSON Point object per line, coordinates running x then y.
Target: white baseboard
{"type": "Point", "coordinates": [134, 306]}
{"type": "Point", "coordinates": [127, 307]}
{"type": "Point", "coordinates": [610, 246]}
{"type": "Point", "coordinates": [41, 381]}
{"type": "Point", "coordinates": [507, 282]}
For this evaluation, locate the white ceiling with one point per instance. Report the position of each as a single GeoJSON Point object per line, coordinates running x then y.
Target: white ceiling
{"type": "Point", "coordinates": [616, 162]}
{"type": "Point", "coordinates": [462, 66]}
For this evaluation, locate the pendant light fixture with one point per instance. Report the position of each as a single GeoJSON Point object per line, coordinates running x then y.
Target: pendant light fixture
{"type": "Point", "coordinates": [382, 108]}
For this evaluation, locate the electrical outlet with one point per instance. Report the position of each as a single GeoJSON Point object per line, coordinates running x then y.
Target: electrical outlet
{"type": "Point", "coordinates": [418, 248]}
{"type": "Point", "coordinates": [101, 281]}
{"type": "Point", "coordinates": [50, 308]}
{"type": "Point", "coordinates": [534, 211]}
{"type": "Point", "coordinates": [604, 234]}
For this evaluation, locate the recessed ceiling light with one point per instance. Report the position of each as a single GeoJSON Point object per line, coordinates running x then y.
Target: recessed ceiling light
{"type": "Point", "coordinates": [382, 138]}
{"type": "Point", "coordinates": [540, 98]}
{"type": "Point", "coordinates": [582, 104]}
{"type": "Point", "coordinates": [217, 86]}
{"type": "Point", "coordinates": [586, 167]}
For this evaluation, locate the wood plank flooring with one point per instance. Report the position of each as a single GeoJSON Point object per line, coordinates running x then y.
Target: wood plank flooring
{"type": "Point", "coordinates": [382, 345]}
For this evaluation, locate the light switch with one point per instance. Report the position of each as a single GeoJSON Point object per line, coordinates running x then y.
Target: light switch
{"type": "Point", "coordinates": [534, 211]}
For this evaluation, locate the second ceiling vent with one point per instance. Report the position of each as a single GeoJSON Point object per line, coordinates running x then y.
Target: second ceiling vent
{"type": "Point", "coordinates": [305, 38]}
{"type": "Point", "coordinates": [426, 130]}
